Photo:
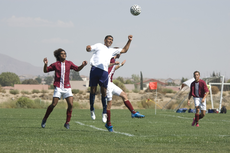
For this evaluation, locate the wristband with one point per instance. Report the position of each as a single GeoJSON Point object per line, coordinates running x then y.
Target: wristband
{"type": "Point", "coordinates": [120, 65]}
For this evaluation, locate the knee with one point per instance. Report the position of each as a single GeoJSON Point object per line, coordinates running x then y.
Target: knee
{"type": "Point", "coordinates": [124, 96]}
{"type": "Point", "coordinates": [53, 105]}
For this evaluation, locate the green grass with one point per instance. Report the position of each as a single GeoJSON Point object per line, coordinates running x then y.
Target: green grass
{"type": "Point", "coordinates": [164, 132]}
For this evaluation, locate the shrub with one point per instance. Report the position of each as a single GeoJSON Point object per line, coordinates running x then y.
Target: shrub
{"type": "Point", "coordinates": [98, 89]}
{"type": "Point", "coordinates": [136, 90]}
{"type": "Point", "coordinates": [215, 90]}
{"type": "Point", "coordinates": [25, 92]}
{"type": "Point", "coordinates": [166, 90]}
{"type": "Point", "coordinates": [24, 102]}
{"type": "Point", "coordinates": [44, 91]}
{"type": "Point", "coordinates": [14, 92]}
{"type": "Point", "coordinates": [120, 84]}
{"type": "Point", "coordinates": [2, 90]}
{"type": "Point", "coordinates": [81, 92]}
{"type": "Point", "coordinates": [75, 91]}
{"type": "Point", "coordinates": [51, 87]}
{"type": "Point", "coordinates": [147, 104]}
{"type": "Point", "coordinates": [35, 91]}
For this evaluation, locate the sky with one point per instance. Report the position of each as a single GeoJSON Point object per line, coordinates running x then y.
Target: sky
{"type": "Point", "coordinates": [171, 38]}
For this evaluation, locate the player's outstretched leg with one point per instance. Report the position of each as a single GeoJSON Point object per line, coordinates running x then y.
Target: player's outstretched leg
{"type": "Point", "coordinates": [127, 103]}
{"type": "Point", "coordinates": [48, 111]}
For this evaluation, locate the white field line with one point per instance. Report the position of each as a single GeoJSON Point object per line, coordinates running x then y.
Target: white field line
{"type": "Point", "coordinates": [94, 127]}
{"type": "Point", "coordinates": [177, 116]}
{"type": "Point", "coordinates": [191, 118]}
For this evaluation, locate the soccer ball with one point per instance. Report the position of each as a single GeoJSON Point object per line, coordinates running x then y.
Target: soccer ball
{"type": "Point", "coordinates": [135, 10]}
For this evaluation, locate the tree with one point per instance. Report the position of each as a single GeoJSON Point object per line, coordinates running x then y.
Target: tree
{"type": "Point", "coordinates": [135, 78]}
{"type": "Point", "coordinates": [183, 80]}
{"type": "Point", "coordinates": [30, 81]}
{"type": "Point", "coordinates": [141, 82]}
{"type": "Point", "coordinates": [39, 80]}
{"type": "Point", "coordinates": [48, 80]}
{"type": "Point", "coordinates": [9, 79]}
{"type": "Point", "coordinates": [121, 79]}
{"type": "Point", "coordinates": [228, 81]}
{"type": "Point", "coordinates": [75, 75]}
{"type": "Point", "coordinates": [128, 81]}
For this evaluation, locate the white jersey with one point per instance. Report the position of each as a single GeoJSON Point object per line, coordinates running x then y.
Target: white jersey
{"type": "Point", "coordinates": [102, 55]}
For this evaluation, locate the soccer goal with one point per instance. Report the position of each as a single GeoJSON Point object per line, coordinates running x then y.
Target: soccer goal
{"type": "Point", "coordinates": [221, 92]}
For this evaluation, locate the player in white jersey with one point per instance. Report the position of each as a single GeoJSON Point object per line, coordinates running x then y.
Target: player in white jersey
{"type": "Point", "coordinates": [102, 53]}
{"type": "Point", "coordinates": [115, 90]}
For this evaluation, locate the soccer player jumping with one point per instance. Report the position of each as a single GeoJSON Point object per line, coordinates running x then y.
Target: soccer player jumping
{"type": "Point", "coordinates": [61, 83]}
{"type": "Point", "coordinates": [199, 91]}
{"type": "Point", "coordinates": [115, 90]}
{"type": "Point", "coordinates": [100, 61]}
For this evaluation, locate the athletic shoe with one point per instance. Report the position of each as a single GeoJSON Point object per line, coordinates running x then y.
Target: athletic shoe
{"type": "Point", "coordinates": [193, 123]}
{"type": "Point", "coordinates": [110, 128]}
{"type": "Point", "coordinates": [104, 118]}
{"type": "Point", "coordinates": [197, 124]}
{"type": "Point", "coordinates": [67, 126]}
{"type": "Point", "coordinates": [137, 115]}
{"type": "Point", "coordinates": [43, 125]}
{"type": "Point", "coordinates": [93, 116]}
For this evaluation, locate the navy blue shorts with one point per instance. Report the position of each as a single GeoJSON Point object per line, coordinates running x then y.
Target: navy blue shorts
{"type": "Point", "coordinates": [98, 76]}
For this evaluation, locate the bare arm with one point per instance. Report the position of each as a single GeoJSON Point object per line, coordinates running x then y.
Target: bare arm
{"type": "Point", "coordinates": [112, 64]}
{"type": "Point", "coordinates": [88, 48]}
{"type": "Point", "coordinates": [125, 49]}
{"type": "Point", "coordinates": [45, 65]}
{"type": "Point", "coordinates": [118, 66]}
{"type": "Point", "coordinates": [205, 95]}
{"type": "Point", "coordinates": [84, 63]}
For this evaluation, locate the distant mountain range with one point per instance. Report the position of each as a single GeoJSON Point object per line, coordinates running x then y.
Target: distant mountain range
{"type": "Point", "coordinates": [9, 64]}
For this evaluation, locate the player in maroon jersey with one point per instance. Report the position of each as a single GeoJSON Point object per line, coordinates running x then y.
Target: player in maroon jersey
{"type": "Point", "coordinates": [61, 83]}
{"type": "Point", "coordinates": [199, 91]}
{"type": "Point", "coordinates": [115, 90]}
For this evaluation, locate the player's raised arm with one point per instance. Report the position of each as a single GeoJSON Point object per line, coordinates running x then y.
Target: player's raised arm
{"type": "Point", "coordinates": [45, 65]}
{"type": "Point", "coordinates": [84, 63]}
{"type": "Point", "coordinates": [88, 48]}
{"type": "Point", "coordinates": [112, 64]}
{"type": "Point", "coordinates": [120, 65]}
{"type": "Point", "coordinates": [125, 49]}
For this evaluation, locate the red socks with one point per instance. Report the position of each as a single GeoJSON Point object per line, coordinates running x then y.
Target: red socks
{"type": "Point", "coordinates": [197, 117]}
{"type": "Point", "coordinates": [68, 116]}
{"type": "Point", "coordinates": [48, 111]}
{"type": "Point", "coordinates": [108, 118]}
{"type": "Point", "coordinates": [129, 106]}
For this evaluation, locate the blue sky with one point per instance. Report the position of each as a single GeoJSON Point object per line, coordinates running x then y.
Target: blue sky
{"type": "Point", "coordinates": [171, 38]}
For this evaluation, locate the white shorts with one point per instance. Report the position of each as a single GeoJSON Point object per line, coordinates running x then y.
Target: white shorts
{"type": "Point", "coordinates": [112, 89]}
{"type": "Point", "coordinates": [62, 92]}
{"type": "Point", "coordinates": [198, 102]}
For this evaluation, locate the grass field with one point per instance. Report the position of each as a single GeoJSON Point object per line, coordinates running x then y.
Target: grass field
{"type": "Point", "coordinates": [164, 132]}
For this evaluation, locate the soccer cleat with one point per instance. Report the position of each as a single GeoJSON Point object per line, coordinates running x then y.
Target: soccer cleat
{"type": "Point", "coordinates": [93, 116]}
{"type": "Point", "coordinates": [137, 115]}
{"type": "Point", "coordinates": [66, 125]}
{"type": "Point", "coordinates": [197, 124]}
{"type": "Point", "coordinates": [110, 128]}
{"type": "Point", "coordinates": [43, 125]}
{"type": "Point", "coordinates": [104, 118]}
{"type": "Point", "coordinates": [193, 123]}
